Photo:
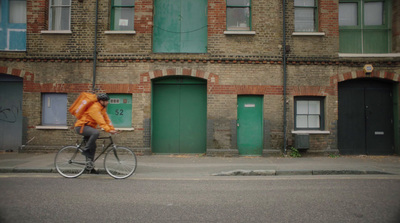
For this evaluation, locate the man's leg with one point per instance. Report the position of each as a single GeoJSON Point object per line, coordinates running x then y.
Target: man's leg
{"type": "Point", "coordinates": [92, 134]}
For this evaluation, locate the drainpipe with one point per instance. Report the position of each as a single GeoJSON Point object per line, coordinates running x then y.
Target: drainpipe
{"type": "Point", "coordinates": [284, 77]}
{"type": "Point", "coordinates": [95, 48]}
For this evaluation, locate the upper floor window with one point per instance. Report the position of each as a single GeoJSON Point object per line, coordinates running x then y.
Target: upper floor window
{"type": "Point", "coordinates": [364, 26]}
{"type": "Point", "coordinates": [13, 25]}
{"type": "Point", "coordinates": [122, 14]}
{"type": "Point", "coordinates": [60, 15]}
{"type": "Point", "coordinates": [238, 15]}
{"type": "Point", "coordinates": [305, 16]}
{"type": "Point", "coordinates": [309, 113]}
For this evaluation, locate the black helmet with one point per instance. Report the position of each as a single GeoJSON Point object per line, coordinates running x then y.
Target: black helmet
{"type": "Point", "coordinates": [103, 97]}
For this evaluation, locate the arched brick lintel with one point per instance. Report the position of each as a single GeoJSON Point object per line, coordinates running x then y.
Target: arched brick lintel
{"type": "Point", "coordinates": [210, 77]}
{"type": "Point", "coordinates": [385, 75]}
{"type": "Point", "coordinates": [27, 76]}
{"type": "Point", "coordinates": [360, 74]}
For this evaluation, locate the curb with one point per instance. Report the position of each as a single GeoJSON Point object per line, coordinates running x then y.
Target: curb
{"type": "Point", "coordinates": [296, 172]}
{"type": "Point", "coordinates": [227, 173]}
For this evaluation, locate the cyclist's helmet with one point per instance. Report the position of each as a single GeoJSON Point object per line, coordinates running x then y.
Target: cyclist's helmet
{"type": "Point", "coordinates": [103, 97]}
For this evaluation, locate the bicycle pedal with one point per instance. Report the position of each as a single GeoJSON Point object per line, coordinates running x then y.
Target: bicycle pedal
{"type": "Point", "coordinates": [89, 165]}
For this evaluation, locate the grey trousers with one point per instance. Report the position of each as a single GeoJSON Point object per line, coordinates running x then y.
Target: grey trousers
{"type": "Point", "coordinates": [91, 135]}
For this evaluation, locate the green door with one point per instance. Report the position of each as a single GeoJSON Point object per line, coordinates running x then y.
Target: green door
{"type": "Point", "coordinates": [179, 115]}
{"type": "Point", "coordinates": [250, 125]}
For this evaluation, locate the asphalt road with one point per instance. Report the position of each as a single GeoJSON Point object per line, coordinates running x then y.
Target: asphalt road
{"type": "Point", "coordinates": [99, 198]}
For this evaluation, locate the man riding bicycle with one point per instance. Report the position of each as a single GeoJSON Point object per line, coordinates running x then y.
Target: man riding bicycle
{"type": "Point", "coordinates": [95, 115]}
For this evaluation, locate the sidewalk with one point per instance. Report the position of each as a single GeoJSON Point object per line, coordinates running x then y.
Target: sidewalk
{"type": "Point", "coordinates": [169, 166]}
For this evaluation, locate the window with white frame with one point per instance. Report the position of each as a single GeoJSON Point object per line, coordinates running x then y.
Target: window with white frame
{"type": "Point", "coordinates": [60, 15]}
{"type": "Point", "coordinates": [122, 15]}
{"type": "Point", "coordinates": [305, 16]}
{"type": "Point", "coordinates": [238, 15]}
{"type": "Point", "coordinates": [54, 109]}
{"type": "Point", "coordinates": [309, 113]}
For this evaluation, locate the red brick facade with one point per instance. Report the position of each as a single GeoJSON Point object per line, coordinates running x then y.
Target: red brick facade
{"type": "Point", "coordinates": [233, 65]}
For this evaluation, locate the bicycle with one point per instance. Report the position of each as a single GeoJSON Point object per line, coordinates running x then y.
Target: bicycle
{"type": "Point", "coordinates": [119, 162]}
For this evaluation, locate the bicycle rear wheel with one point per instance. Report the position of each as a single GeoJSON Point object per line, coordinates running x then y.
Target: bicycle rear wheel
{"type": "Point", "coordinates": [120, 162]}
{"type": "Point", "coordinates": [69, 162]}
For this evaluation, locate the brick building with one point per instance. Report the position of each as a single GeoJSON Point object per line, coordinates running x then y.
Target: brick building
{"type": "Point", "coordinates": [196, 76]}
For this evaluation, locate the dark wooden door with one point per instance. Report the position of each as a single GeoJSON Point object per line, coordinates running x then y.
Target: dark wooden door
{"type": "Point", "coordinates": [365, 124]}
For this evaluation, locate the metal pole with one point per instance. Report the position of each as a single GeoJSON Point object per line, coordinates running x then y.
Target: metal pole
{"type": "Point", "coordinates": [284, 77]}
{"type": "Point", "coordinates": [95, 48]}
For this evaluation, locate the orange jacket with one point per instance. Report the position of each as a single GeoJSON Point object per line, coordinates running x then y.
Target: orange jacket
{"type": "Point", "coordinates": [96, 115]}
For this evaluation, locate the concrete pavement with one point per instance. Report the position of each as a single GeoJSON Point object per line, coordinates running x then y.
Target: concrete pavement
{"type": "Point", "coordinates": [178, 166]}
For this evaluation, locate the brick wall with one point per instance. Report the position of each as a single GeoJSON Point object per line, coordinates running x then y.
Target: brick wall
{"type": "Point", "coordinates": [234, 65]}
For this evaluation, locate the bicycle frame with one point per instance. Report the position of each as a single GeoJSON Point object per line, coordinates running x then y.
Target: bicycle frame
{"type": "Point", "coordinates": [105, 148]}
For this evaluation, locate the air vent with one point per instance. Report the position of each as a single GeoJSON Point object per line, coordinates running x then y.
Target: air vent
{"type": "Point", "coordinates": [302, 141]}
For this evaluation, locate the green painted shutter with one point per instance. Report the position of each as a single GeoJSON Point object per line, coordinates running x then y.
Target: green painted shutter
{"type": "Point", "coordinates": [180, 26]}
{"type": "Point", "coordinates": [194, 26]}
{"type": "Point", "coordinates": [119, 110]}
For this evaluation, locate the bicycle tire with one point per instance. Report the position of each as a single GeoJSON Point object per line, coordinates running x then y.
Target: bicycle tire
{"type": "Point", "coordinates": [69, 162]}
{"type": "Point", "coordinates": [120, 162]}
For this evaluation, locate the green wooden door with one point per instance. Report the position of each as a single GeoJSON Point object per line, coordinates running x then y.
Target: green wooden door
{"type": "Point", "coordinates": [179, 115]}
{"type": "Point", "coordinates": [250, 125]}
{"type": "Point", "coordinates": [180, 26]}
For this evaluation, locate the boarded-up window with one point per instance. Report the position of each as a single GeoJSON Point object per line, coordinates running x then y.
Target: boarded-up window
{"type": "Point", "coordinates": [54, 109]}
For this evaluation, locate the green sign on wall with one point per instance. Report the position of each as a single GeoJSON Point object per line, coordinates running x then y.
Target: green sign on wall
{"type": "Point", "coordinates": [120, 110]}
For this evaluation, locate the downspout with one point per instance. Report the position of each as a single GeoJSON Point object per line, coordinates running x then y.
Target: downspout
{"type": "Point", "coordinates": [95, 48]}
{"type": "Point", "coordinates": [284, 77]}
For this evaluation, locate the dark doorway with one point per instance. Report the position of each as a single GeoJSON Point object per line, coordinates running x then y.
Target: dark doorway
{"type": "Point", "coordinates": [365, 124]}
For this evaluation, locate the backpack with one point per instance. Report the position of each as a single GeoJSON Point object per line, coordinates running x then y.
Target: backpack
{"type": "Point", "coordinates": [82, 103]}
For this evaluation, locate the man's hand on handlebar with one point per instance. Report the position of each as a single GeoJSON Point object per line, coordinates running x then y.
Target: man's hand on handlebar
{"type": "Point", "coordinates": [114, 132]}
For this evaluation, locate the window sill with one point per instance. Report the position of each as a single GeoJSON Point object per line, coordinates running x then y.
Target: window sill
{"type": "Point", "coordinates": [239, 32]}
{"type": "Point", "coordinates": [124, 129]}
{"type": "Point", "coordinates": [311, 132]}
{"type": "Point", "coordinates": [56, 32]}
{"type": "Point", "coordinates": [369, 55]}
{"type": "Point", "coordinates": [51, 127]}
{"type": "Point", "coordinates": [120, 32]}
{"type": "Point", "coordinates": [308, 34]}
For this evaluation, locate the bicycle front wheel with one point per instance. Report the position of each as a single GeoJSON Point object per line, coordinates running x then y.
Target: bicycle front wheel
{"type": "Point", "coordinates": [69, 162]}
{"type": "Point", "coordinates": [120, 162]}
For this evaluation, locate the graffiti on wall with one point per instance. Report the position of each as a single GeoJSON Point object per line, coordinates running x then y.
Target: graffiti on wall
{"type": "Point", "coordinates": [9, 113]}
